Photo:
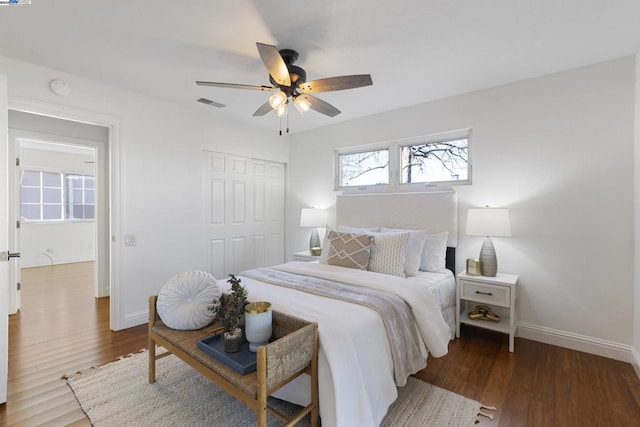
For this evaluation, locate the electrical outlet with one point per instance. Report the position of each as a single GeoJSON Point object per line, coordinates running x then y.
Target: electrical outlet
{"type": "Point", "coordinates": [130, 240]}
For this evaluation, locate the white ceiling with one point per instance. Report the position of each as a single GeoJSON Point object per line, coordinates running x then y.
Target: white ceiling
{"type": "Point", "coordinates": [415, 50]}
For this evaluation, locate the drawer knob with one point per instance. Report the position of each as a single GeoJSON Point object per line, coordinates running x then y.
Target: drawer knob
{"type": "Point", "coordinates": [484, 293]}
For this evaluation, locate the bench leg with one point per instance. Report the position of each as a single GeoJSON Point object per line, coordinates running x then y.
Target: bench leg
{"type": "Point", "coordinates": [152, 361]}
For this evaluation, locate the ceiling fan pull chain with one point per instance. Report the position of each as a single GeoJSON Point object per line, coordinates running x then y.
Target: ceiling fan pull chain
{"type": "Point", "coordinates": [287, 123]}
{"type": "Point", "coordinates": [280, 126]}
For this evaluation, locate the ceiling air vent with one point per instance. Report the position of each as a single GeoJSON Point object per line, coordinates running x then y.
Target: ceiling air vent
{"type": "Point", "coordinates": [210, 102]}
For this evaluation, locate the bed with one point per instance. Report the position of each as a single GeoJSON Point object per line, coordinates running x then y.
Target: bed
{"type": "Point", "coordinates": [358, 360]}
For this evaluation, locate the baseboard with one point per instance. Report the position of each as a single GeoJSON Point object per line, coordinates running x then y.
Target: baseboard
{"type": "Point", "coordinates": [135, 319]}
{"type": "Point", "coordinates": [591, 345]}
{"type": "Point", "coordinates": [635, 356]}
{"type": "Point", "coordinates": [46, 261]}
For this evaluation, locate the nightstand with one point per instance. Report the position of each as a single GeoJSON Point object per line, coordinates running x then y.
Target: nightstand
{"type": "Point", "coordinates": [305, 256]}
{"type": "Point", "coordinates": [499, 293]}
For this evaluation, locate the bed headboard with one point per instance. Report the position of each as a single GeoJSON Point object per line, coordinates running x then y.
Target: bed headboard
{"type": "Point", "coordinates": [433, 211]}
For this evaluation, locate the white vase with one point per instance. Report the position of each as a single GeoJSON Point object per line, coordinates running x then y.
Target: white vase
{"type": "Point", "coordinates": [257, 324]}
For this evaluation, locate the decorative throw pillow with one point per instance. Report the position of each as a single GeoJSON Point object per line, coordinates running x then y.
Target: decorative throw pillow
{"type": "Point", "coordinates": [187, 300]}
{"type": "Point", "coordinates": [389, 253]}
{"type": "Point", "coordinates": [348, 250]}
{"type": "Point", "coordinates": [435, 252]}
{"type": "Point", "coordinates": [415, 247]}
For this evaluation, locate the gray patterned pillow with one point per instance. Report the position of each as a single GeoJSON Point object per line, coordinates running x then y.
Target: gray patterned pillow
{"type": "Point", "coordinates": [348, 249]}
{"type": "Point", "coordinates": [389, 253]}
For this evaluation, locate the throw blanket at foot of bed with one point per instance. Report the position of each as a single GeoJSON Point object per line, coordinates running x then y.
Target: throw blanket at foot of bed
{"type": "Point", "coordinates": [404, 339]}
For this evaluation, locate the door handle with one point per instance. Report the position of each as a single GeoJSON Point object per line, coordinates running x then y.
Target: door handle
{"type": "Point", "coordinates": [5, 256]}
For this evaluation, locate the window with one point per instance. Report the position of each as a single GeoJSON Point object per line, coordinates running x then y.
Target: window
{"type": "Point", "coordinates": [364, 168]}
{"type": "Point", "coordinates": [80, 193]}
{"type": "Point", "coordinates": [56, 196]}
{"type": "Point", "coordinates": [435, 162]}
{"type": "Point", "coordinates": [441, 159]}
{"type": "Point", "coordinates": [41, 196]}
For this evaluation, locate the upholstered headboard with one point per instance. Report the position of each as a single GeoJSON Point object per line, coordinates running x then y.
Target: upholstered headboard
{"type": "Point", "coordinates": [433, 211]}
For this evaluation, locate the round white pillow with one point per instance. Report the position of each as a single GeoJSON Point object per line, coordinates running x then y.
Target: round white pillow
{"type": "Point", "coordinates": [186, 301]}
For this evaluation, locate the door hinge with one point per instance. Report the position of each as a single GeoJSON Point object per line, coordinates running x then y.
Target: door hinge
{"type": "Point", "coordinates": [18, 286]}
{"type": "Point", "coordinates": [18, 224]}
{"type": "Point", "coordinates": [17, 161]}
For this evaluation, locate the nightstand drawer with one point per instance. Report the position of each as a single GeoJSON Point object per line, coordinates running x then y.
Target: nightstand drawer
{"type": "Point", "coordinates": [484, 292]}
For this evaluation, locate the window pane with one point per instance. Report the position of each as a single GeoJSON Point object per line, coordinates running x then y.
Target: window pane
{"type": "Point", "coordinates": [436, 162]}
{"type": "Point", "coordinates": [30, 211]}
{"type": "Point", "coordinates": [366, 168]}
{"type": "Point", "coordinates": [52, 195]}
{"type": "Point", "coordinates": [78, 211]}
{"type": "Point", "coordinates": [74, 181]}
{"type": "Point", "coordinates": [89, 211]}
{"type": "Point", "coordinates": [29, 195]}
{"type": "Point", "coordinates": [75, 196]}
{"type": "Point", "coordinates": [30, 179]}
{"type": "Point", "coordinates": [89, 182]}
{"type": "Point", "coordinates": [52, 179]}
{"type": "Point", "coordinates": [51, 211]}
{"type": "Point", "coordinates": [89, 196]}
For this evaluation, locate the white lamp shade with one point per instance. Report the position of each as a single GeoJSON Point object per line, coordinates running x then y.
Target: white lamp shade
{"type": "Point", "coordinates": [312, 217]}
{"type": "Point", "coordinates": [488, 222]}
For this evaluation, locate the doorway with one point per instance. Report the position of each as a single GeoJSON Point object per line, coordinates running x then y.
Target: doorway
{"type": "Point", "coordinates": [73, 157]}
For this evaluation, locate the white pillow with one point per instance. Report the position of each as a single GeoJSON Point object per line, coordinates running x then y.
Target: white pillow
{"type": "Point", "coordinates": [435, 252]}
{"type": "Point", "coordinates": [415, 247]}
{"type": "Point", "coordinates": [186, 301]}
{"type": "Point", "coordinates": [389, 253]}
{"type": "Point", "coordinates": [357, 230]}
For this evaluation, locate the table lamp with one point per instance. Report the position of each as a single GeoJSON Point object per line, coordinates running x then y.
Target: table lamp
{"type": "Point", "coordinates": [312, 217]}
{"type": "Point", "coordinates": [488, 222]}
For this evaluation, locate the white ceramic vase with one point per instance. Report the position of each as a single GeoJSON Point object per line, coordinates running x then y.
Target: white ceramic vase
{"type": "Point", "coordinates": [257, 320]}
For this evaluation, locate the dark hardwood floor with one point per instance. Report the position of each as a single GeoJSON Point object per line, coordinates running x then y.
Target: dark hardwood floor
{"type": "Point", "coordinates": [62, 329]}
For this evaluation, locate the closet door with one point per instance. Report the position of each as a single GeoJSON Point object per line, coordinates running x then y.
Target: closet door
{"type": "Point", "coordinates": [243, 211]}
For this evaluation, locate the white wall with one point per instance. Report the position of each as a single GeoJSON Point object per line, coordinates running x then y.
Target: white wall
{"type": "Point", "coordinates": [557, 151]}
{"type": "Point", "coordinates": [160, 173]}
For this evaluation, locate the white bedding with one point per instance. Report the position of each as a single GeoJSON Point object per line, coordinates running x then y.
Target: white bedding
{"type": "Point", "coordinates": [356, 381]}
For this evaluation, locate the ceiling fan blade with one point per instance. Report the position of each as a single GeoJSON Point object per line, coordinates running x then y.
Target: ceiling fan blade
{"type": "Point", "coordinates": [264, 109]}
{"type": "Point", "coordinates": [336, 83]}
{"type": "Point", "coordinates": [320, 106]}
{"type": "Point", "coordinates": [275, 64]}
{"type": "Point", "coordinates": [235, 86]}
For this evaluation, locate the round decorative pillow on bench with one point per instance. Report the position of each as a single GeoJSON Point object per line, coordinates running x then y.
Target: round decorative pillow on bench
{"type": "Point", "coordinates": [187, 301]}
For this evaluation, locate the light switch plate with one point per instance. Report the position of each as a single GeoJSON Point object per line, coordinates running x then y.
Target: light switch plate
{"type": "Point", "coordinates": [130, 240]}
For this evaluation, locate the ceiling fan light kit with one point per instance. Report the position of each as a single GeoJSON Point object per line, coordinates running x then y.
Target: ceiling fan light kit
{"type": "Point", "coordinates": [290, 81]}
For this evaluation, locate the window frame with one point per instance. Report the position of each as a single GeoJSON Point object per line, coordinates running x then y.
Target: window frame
{"type": "Point", "coordinates": [395, 163]}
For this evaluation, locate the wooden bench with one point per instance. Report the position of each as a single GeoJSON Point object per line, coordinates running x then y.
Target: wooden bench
{"type": "Point", "coordinates": [294, 351]}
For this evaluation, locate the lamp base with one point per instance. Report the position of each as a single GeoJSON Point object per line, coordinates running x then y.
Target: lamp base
{"type": "Point", "coordinates": [314, 243]}
{"type": "Point", "coordinates": [488, 260]}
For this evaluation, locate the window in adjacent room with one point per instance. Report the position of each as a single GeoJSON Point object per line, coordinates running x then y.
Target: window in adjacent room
{"type": "Point", "coordinates": [56, 196]}
{"type": "Point", "coordinates": [80, 193]}
{"type": "Point", "coordinates": [440, 161]}
{"type": "Point", "coordinates": [363, 168]}
{"type": "Point", "coordinates": [41, 196]}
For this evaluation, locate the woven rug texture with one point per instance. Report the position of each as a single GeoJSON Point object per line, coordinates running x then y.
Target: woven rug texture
{"type": "Point", "coordinates": [119, 394]}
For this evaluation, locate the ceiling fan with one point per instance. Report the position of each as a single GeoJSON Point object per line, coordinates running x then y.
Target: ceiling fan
{"type": "Point", "coordinates": [290, 81]}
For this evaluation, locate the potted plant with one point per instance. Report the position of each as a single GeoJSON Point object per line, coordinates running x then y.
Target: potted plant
{"type": "Point", "coordinates": [230, 314]}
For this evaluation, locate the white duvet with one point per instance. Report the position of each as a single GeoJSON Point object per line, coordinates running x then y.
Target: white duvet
{"type": "Point", "coordinates": [356, 381]}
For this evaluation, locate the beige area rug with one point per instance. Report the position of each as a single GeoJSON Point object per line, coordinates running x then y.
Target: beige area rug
{"type": "Point", "coordinates": [119, 394]}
